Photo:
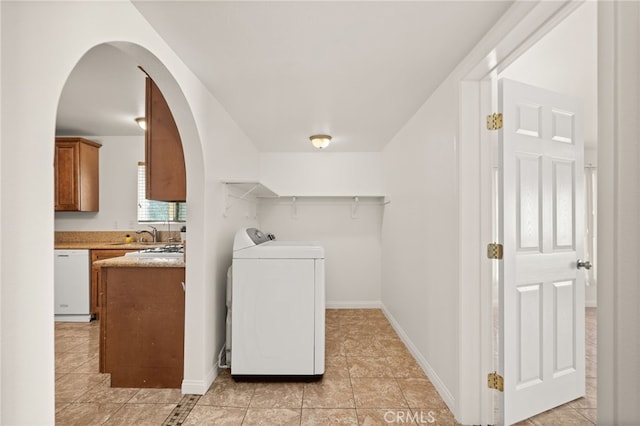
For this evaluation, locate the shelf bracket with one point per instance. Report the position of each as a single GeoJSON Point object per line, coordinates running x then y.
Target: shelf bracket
{"type": "Point", "coordinates": [228, 197]}
{"type": "Point", "coordinates": [227, 203]}
{"type": "Point", "coordinates": [294, 208]}
{"type": "Point", "coordinates": [354, 207]}
{"type": "Point", "coordinates": [253, 188]}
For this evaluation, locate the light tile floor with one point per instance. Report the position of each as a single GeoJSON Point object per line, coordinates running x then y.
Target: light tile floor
{"type": "Point", "coordinates": [370, 379]}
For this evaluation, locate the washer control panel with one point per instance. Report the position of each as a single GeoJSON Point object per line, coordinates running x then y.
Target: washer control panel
{"type": "Point", "coordinates": [248, 237]}
{"type": "Point", "coordinates": [257, 236]}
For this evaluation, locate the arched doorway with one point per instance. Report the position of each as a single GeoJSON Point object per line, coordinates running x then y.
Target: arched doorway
{"type": "Point", "coordinates": [140, 56]}
{"type": "Point", "coordinates": [44, 44]}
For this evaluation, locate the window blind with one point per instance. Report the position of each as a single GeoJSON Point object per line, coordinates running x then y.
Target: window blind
{"type": "Point", "coordinates": [157, 211]}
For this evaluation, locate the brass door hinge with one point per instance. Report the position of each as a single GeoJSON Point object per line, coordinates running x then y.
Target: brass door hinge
{"type": "Point", "coordinates": [494, 251]}
{"type": "Point", "coordinates": [494, 121]}
{"type": "Point", "coordinates": [495, 381]}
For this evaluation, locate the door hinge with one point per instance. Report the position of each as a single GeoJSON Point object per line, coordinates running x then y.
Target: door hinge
{"type": "Point", "coordinates": [494, 121]}
{"type": "Point", "coordinates": [494, 251]}
{"type": "Point", "coordinates": [495, 381]}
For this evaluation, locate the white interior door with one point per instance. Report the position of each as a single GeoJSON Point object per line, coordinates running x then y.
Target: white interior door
{"type": "Point", "coordinates": [542, 290]}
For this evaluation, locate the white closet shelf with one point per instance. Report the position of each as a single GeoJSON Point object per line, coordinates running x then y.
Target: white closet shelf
{"type": "Point", "coordinates": [324, 198]}
{"type": "Point", "coordinates": [250, 188]}
{"type": "Point", "coordinates": [332, 196]}
{"type": "Point", "coordinates": [247, 190]}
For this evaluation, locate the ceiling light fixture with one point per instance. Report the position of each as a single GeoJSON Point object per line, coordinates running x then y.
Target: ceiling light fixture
{"type": "Point", "coordinates": [320, 141]}
{"type": "Point", "coordinates": [142, 122]}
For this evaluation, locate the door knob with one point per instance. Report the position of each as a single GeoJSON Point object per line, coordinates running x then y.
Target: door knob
{"type": "Point", "coordinates": [584, 264]}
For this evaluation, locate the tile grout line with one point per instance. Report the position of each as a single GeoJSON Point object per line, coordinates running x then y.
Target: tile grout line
{"type": "Point", "coordinates": [114, 413]}
{"type": "Point", "coordinates": [579, 412]}
{"type": "Point", "coordinates": [353, 393]}
{"type": "Point", "coordinates": [179, 414]}
{"type": "Point", "coordinates": [253, 394]}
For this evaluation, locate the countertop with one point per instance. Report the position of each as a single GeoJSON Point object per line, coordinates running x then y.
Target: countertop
{"type": "Point", "coordinates": [141, 262]}
{"type": "Point", "coordinates": [101, 245]}
{"type": "Point", "coordinates": [108, 240]}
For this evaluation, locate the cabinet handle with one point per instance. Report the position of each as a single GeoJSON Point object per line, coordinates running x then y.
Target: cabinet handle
{"type": "Point", "coordinates": [184, 287]}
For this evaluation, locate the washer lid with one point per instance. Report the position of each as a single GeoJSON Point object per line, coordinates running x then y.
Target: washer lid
{"type": "Point", "coordinates": [282, 250]}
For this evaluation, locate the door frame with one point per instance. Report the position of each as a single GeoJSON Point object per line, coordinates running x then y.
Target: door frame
{"type": "Point", "coordinates": [519, 29]}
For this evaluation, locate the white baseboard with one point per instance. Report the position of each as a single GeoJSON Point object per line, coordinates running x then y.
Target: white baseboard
{"type": "Point", "coordinates": [359, 304]}
{"type": "Point", "coordinates": [200, 387]}
{"type": "Point", "coordinates": [444, 392]}
{"type": "Point", "coordinates": [72, 318]}
{"type": "Point", "coordinates": [591, 303]}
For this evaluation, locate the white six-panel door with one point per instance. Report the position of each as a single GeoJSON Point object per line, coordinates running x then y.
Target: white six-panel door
{"type": "Point", "coordinates": [541, 288]}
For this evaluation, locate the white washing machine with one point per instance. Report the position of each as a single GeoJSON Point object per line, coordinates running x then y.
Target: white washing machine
{"type": "Point", "coordinates": [277, 306]}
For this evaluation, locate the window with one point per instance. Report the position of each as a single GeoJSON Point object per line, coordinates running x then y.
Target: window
{"type": "Point", "coordinates": [157, 211]}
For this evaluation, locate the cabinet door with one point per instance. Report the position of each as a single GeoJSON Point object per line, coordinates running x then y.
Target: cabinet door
{"type": "Point", "coordinates": [66, 176]}
{"type": "Point", "coordinates": [76, 175]}
{"type": "Point", "coordinates": [143, 326]}
{"type": "Point", "coordinates": [89, 178]}
{"type": "Point", "coordinates": [95, 275]}
{"type": "Point", "coordinates": [164, 158]}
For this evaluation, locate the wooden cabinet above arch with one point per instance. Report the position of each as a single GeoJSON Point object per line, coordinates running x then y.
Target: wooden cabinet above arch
{"type": "Point", "coordinates": [164, 157]}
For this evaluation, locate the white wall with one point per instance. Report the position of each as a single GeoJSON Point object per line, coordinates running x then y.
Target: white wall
{"type": "Point", "coordinates": [119, 157]}
{"type": "Point", "coordinates": [325, 184]}
{"type": "Point", "coordinates": [58, 34]}
{"type": "Point", "coordinates": [323, 173]}
{"type": "Point", "coordinates": [618, 210]}
{"type": "Point", "coordinates": [420, 236]}
{"type": "Point", "coordinates": [352, 243]}
{"type": "Point", "coordinates": [1, 197]}
{"type": "Point", "coordinates": [591, 157]}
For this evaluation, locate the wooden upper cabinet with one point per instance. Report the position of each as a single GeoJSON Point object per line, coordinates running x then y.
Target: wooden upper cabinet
{"type": "Point", "coordinates": [76, 175]}
{"type": "Point", "coordinates": [164, 159]}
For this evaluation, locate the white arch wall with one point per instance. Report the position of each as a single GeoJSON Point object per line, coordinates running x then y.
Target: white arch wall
{"type": "Point", "coordinates": [42, 42]}
{"type": "Point", "coordinates": [618, 211]}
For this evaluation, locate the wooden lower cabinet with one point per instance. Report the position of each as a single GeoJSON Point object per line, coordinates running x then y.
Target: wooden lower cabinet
{"type": "Point", "coordinates": [142, 326]}
{"type": "Point", "coordinates": [95, 275]}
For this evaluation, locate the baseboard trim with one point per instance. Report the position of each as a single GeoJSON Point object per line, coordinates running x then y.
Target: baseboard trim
{"type": "Point", "coordinates": [444, 392]}
{"type": "Point", "coordinates": [360, 304]}
{"type": "Point", "coordinates": [199, 387]}
{"type": "Point", "coordinates": [591, 303]}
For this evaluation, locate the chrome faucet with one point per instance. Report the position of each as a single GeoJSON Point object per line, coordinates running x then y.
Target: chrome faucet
{"type": "Point", "coordinates": [153, 233]}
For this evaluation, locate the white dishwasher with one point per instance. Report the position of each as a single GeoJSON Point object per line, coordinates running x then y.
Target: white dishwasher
{"type": "Point", "coordinates": [72, 282]}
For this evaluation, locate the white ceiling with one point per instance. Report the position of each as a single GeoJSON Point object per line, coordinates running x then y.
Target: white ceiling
{"type": "Point", "coordinates": [102, 96]}
{"type": "Point", "coordinates": [286, 70]}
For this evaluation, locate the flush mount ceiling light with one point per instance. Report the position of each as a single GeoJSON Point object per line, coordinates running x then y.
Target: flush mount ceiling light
{"type": "Point", "coordinates": [142, 123]}
{"type": "Point", "coordinates": [320, 141]}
